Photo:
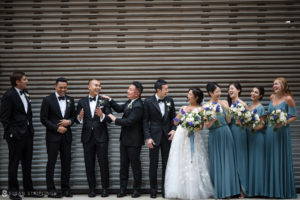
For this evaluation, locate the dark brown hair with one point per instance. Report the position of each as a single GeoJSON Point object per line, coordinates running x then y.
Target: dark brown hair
{"type": "Point", "coordinates": [16, 76]}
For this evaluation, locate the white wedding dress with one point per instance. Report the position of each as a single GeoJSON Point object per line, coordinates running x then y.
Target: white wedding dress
{"type": "Point", "coordinates": [188, 177]}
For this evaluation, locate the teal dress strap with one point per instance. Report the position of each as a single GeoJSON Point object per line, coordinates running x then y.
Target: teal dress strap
{"type": "Point", "coordinates": [261, 111]}
{"type": "Point", "coordinates": [292, 111]}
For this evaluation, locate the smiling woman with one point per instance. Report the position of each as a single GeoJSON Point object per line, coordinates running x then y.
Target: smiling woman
{"type": "Point", "coordinates": [240, 137]}
{"type": "Point", "coordinates": [256, 146]}
{"type": "Point", "coordinates": [279, 178]}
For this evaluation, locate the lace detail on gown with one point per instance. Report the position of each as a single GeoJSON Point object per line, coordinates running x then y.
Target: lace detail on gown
{"type": "Point", "coordinates": [185, 179]}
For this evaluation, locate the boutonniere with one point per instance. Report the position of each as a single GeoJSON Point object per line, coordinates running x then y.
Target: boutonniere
{"type": "Point", "coordinates": [130, 105]}
{"type": "Point", "coordinates": [68, 102]}
{"type": "Point", "coordinates": [101, 102]}
{"type": "Point", "coordinates": [168, 104]}
{"type": "Point", "coordinates": [27, 96]}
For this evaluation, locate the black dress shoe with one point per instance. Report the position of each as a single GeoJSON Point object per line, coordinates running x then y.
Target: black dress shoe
{"type": "Point", "coordinates": [92, 193]}
{"type": "Point", "coordinates": [153, 193]}
{"type": "Point", "coordinates": [67, 193]}
{"type": "Point", "coordinates": [15, 196]}
{"type": "Point", "coordinates": [34, 194]}
{"type": "Point", "coordinates": [135, 193]}
{"type": "Point", "coordinates": [122, 193]}
{"type": "Point", "coordinates": [54, 194]}
{"type": "Point", "coordinates": [104, 193]}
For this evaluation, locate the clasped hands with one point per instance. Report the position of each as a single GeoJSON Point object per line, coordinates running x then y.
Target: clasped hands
{"type": "Point", "coordinates": [62, 126]}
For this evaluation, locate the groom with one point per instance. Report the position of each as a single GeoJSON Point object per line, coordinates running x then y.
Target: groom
{"type": "Point", "coordinates": [159, 130]}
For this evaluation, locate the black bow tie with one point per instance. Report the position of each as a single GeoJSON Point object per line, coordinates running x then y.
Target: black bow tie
{"type": "Point", "coordinates": [61, 98]}
{"type": "Point", "coordinates": [161, 100]}
{"type": "Point", "coordinates": [92, 99]}
{"type": "Point", "coordinates": [22, 92]}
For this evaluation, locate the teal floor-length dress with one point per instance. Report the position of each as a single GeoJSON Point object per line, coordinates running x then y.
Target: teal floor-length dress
{"type": "Point", "coordinates": [240, 138]}
{"type": "Point", "coordinates": [279, 171]}
{"type": "Point", "coordinates": [256, 150]}
{"type": "Point", "coordinates": [222, 160]}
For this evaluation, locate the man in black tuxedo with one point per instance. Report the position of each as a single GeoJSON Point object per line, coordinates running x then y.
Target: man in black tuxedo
{"type": "Point", "coordinates": [159, 112]}
{"type": "Point", "coordinates": [131, 139]}
{"type": "Point", "coordinates": [57, 115]}
{"type": "Point", "coordinates": [16, 117]}
{"type": "Point", "coordinates": [93, 112]}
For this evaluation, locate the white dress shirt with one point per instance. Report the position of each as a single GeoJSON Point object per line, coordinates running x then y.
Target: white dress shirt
{"type": "Point", "coordinates": [162, 106]}
{"type": "Point", "coordinates": [93, 105]}
{"type": "Point", "coordinates": [23, 98]}
{"type": "Point", "coordinates": [93, 109]}
{"type": "Point", "coordinates": [62, 104]}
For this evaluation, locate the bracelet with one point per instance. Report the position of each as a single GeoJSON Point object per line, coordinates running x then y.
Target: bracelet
{"type": "Point", "coordinates": [176, 119]}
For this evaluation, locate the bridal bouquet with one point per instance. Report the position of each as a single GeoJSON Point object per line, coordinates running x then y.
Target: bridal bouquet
{"type": "Point", "coordinates": [237, 110]}
{"type": "Point", "coordinates": [277, 116]}
{"type": "Point", "coordinates": [252, 120]}
{"type": "Point", "coordinates": [210, 111]}
{"type": "Point", "coordinates": [191, 121]}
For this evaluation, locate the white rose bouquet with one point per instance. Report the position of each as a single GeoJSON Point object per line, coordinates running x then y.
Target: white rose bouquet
{"type": "Point", "coordinates": [191, 121]}
{"type": "Point", "coordinates": [277, 116]}
{"type": "Point", "coordinates": [252, 120]}
{"type": "Point", "coordinates": [210, 111]}
{"type": "Point", "coordinates": [237, 110]}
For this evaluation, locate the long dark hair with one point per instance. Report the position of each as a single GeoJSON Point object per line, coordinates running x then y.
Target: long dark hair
{"type": "Point", "coordinates": [261, 90]}
{"type": "Point", "coordinates": [238, 86]}
{"type": "Point", "coordinates": [197, 93]}
{"type": "Point", "coordinates": [211, 86]}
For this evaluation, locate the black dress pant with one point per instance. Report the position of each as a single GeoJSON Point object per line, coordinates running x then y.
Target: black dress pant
{"type": "Point", "coordinates": [91, 149]}
{"type": "Point", "coordinates": [64, 148]}
{"type": "Point", "coordinates": [20, 150]}
{"type": "Point", "coordinates": [130, 155]}
{"type": "Point", "coordinates": [164, 146]}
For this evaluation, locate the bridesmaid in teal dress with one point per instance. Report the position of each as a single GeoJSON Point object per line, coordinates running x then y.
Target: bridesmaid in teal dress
{"type": "Point", "coordinates": [279, 174]}
{"type": "Point", "coordinates": [221, 150]}
{"type": "Point", "coordinates": [240, 138]}
{"type": "Point", "coordinates": [256, 146]}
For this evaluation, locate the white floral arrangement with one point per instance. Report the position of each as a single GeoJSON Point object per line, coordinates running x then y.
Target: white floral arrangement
{"type": "Point", "coordinates": [191, 121]}
{"type": "Point", "coordinates": [277, 116]}
{"type": "Point", "coordinates": [68, 102]}
{"type": "Point", "coordinates": [168, 104]}
{"type": "Point", "coordinates": [252, 120]}
{"type": "Point", "coordinates": [237, 110]}
{"type": "Point", "coordinates": [101, 102]}
{"type": "Point", "coordinates": [210, 111]}
{"type": "Point", "coordinates": [27, 96]}
{"type": "Point", "coordinates": [130, 105]}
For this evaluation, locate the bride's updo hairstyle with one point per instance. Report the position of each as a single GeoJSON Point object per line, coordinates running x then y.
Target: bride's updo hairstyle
{"type": "Point", "coordinates": [197, 93]}
{"type": "Point", "coordinates": [211, 86]}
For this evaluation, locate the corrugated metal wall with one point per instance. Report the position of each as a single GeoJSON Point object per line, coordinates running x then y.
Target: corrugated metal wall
{"type": "Point", "coordinates": [186, 42]}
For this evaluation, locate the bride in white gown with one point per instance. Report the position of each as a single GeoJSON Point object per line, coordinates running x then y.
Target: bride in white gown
{"type": "Point", "coordinates": [187, 175]}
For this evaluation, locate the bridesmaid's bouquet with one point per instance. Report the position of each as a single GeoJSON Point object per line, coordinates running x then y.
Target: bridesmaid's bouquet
{"type": "Point", "coordinates": [191, 121]}
{"type": "Point", "coordinates": [237, 110]}
{"type": "Point", "coordinates": [277, 116]}
{"type": "Point", "coordinates": [210, 111]}
{"type": "Point", "coordinates": [252, 120]}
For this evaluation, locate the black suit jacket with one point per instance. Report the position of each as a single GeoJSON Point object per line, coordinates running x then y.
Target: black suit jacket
{"type": "Point", "coordinates": [93, 125]}
{"type": "Point", "coordinates": [154, 123]}
{"type": "Point", "coordinates": [50, 116]}
{"type": "Point", "coordinates": [131, 122]}
{"type": "Point", "coordinates": [15, 120]}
